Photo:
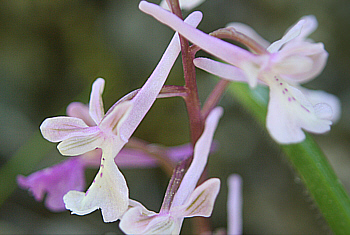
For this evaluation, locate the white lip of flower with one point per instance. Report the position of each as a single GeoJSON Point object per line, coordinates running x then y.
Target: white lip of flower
{"type": "Point", "coordinates": [189, 201]}
{"type": "Point", "coordinates": [109, 191]}
{"type": "Point", "coordinates": [291, 61]}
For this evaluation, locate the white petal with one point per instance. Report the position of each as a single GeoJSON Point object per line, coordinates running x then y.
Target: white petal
{"type": "Point", "coordinates": [139, 220]}
{"type": "Point", "coordinates": [289, 112]}
{"type": "Point", "coordinates": [201, 152]}
{"type": "Point", "coordinates": [136, 220]}
{"type": "Point", "coordinates": [115, 117]}
{"type": "Point", "coordinates": [96, 104]}
{"type": "Point", "coordinates": [108, 192]}
{"type": "Point", "coordinates": [294, 64]}
{"type": "Point", "coordinates": [219, 69]}
{"type": "Point", "coordinates": [234, 205]}
{"type": "Point", "coordinates": [227, 52]}
{"type": "Point", "coordinates": [78, 145]}
{"type": "Point", "coordinates": [290, 35]}
{"type": "Point", "coordinates": [322, 97]}
{"type": "Point", "coordinates": [250, 32]}
{"type": "Point", "coordinates": [323, 111]}
{"type": "Point", "coordinates": [201, 201]}
{"type": "Point", "coordinates": [309, 26]}
{"type": "Point", "coordinates": [161, 224]}
{"type": "Point", "coordinates": [59, 128]}
{"type": "Point", "coordinates": [150, 90]}
{"type": "Point", "coordinates": [313, 51]}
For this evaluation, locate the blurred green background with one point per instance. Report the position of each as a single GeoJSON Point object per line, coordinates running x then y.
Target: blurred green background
{"type": "Point", "coordinates": [51, 52]}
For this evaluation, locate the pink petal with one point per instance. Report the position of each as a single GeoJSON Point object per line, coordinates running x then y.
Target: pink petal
{"type": "Point", "coordinates": [181, 152]}
{"type": "Point", "coordinates": [80, 110]}
{"type": "Point", "coordinates": [219, 48]}
{"type": "Point", "coordinates": [55, 181]}
{"type": "Point", "coordinates": [219, 69]}
{"type": "Point", "coordinates": [234, 205]}
{"type": "Point", "coordinates": [96, 104]}
{"type": "Point", "coordinates": [108, 192]}
{"type": "Point", "coordinates": [133, 158]}
{"type": "Point", "coordinates": [59, 128]}
{"type": "Point", "coordinates": [150, 90]}
{"type": "Point", "coordinates": [201, 152]}
{"type": "Point", "coordinates": [222, 70]}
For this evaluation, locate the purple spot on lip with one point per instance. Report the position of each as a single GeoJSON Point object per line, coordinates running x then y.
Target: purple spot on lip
{"type": "Point", "coordinates": [293, 98]}
{"type": "Point", "coordinates": [102, 165]}
{"type": "Point", "coordinates": [283, 92]}
{"type": "Point", "coordinates": [281, 83]}
{"type": "Point", "coordinates": [94, 181]}
{"type": "Point", "coordinates": [289, 99]}
{"type": "Point", "coordinates": [286, 89]}
{"type": "Point", "coordinates": [277, 79]}
{"type": "Point", "coordinates": [103, 159]}
{"type": "Point", "coordinates": [101, 174]}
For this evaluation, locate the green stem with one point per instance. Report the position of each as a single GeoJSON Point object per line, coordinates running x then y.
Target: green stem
{"type": "Point", "coordinates": [308, 160]}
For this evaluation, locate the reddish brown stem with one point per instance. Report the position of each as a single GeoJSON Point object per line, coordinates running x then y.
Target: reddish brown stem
{"type": "Point", "coordinates": [193, 109]}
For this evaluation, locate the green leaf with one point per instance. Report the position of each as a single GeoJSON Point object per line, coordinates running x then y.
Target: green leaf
{"type": "Point", "coordinates": [308, 160]}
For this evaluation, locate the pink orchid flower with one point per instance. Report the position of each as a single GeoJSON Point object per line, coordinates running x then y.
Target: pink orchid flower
{"type": "Point", "coordinates": [57, 180]}
{"type": "Point", "coordinates": [286, 63]}
{"type": "Point", "coordinates": [189, 200]}
{"type": "Point", "coordinates": [109, 190]}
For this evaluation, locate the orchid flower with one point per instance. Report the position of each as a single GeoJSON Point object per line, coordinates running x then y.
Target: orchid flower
{"type": "Point", "coordinates": [109, 190]}
{"type": "Point", "coordinates": [189, 201]}
{"type": "Point", "coordinates": [57, 180]}
{"type": "Point", "coordinates": [184, 4]}
{"type": "Point", "coordinates": [285, 64]}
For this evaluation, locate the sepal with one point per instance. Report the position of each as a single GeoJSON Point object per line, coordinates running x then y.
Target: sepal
{"type": "Point", "coordinates": [201, 201]}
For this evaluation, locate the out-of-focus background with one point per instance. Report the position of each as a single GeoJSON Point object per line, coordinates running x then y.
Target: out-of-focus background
{"type": "Point", "coordinates": [52, 51]}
